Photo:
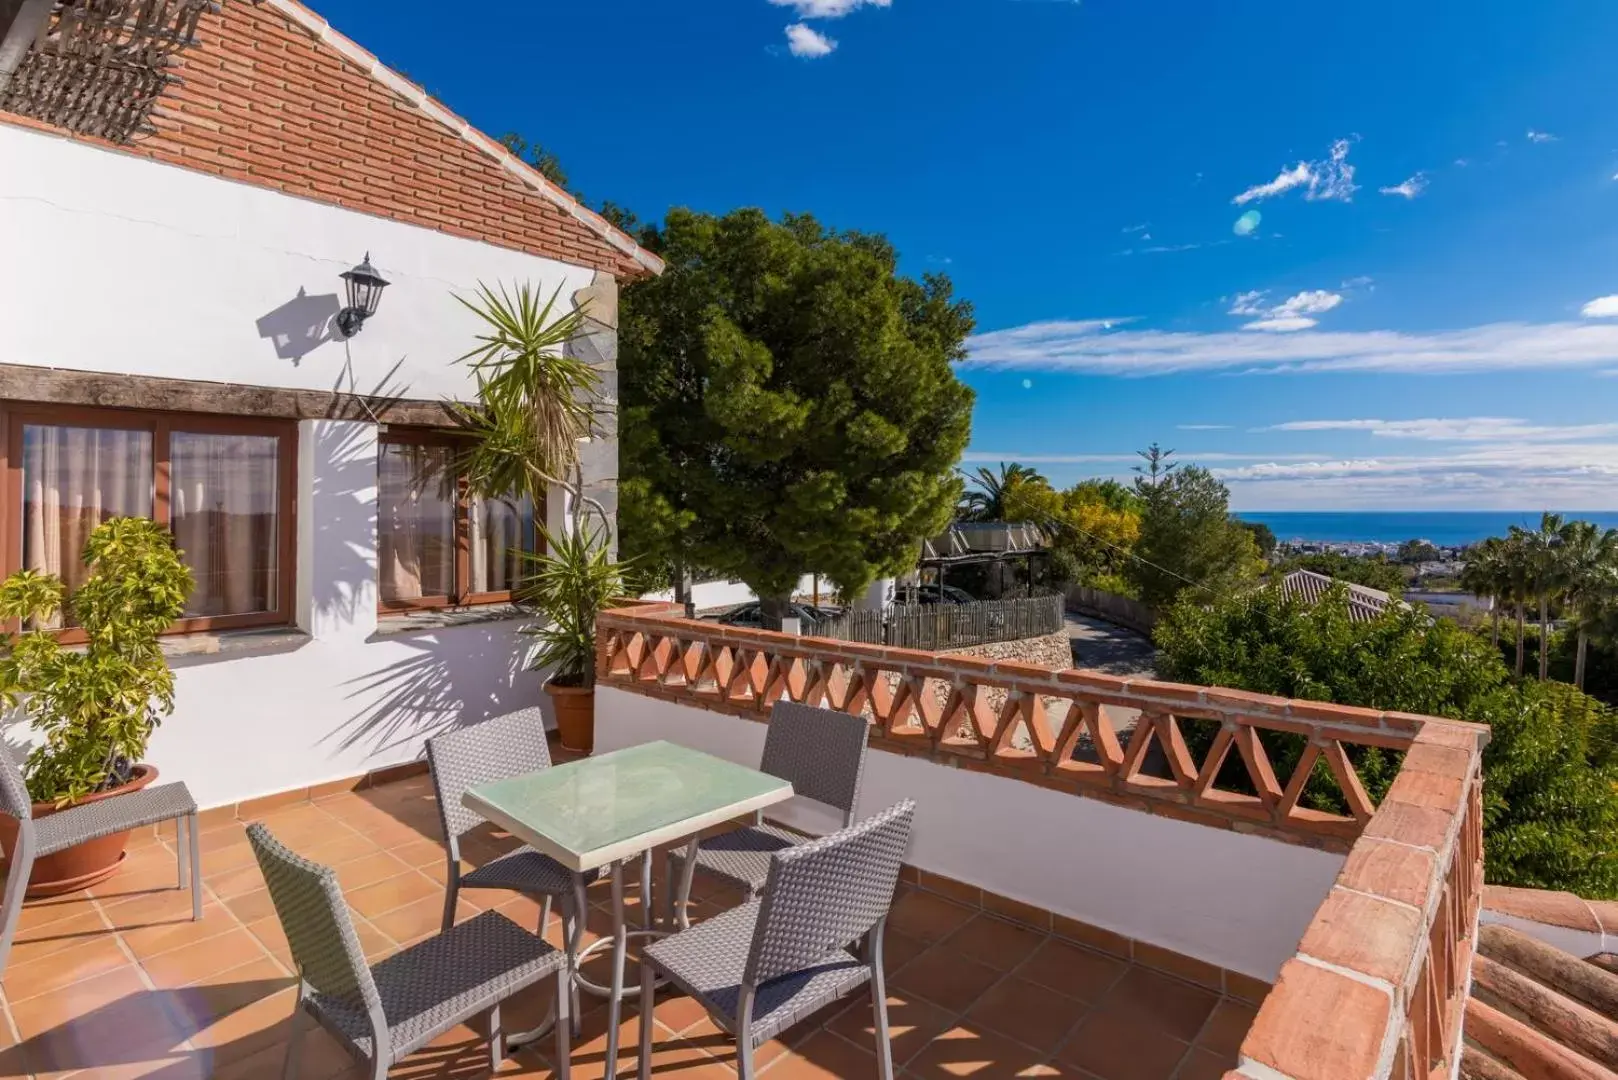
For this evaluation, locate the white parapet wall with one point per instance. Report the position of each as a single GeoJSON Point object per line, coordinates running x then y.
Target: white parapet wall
{"type": "Point", "coordinates": [1237, 901]}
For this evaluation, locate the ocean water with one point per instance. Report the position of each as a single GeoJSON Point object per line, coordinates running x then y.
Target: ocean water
{"type": "Point", "coordinates": [1449, 528]}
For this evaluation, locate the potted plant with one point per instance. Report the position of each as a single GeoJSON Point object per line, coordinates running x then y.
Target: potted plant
{"type": "Point", "coordinates": [568, 585]}
{"type": "Point", "coordinates": [536, 402]}
{"type": "Point", "coordinates": [95, 704]}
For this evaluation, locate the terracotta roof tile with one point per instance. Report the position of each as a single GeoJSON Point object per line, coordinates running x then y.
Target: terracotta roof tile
{"type": "Point", "coordinates": [273, 97]}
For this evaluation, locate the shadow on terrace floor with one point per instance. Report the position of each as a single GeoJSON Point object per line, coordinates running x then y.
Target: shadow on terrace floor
{"type": "Point", "coordinates": [119, 982]}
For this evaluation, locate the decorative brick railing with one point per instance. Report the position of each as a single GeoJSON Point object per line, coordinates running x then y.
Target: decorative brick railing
{"type": "Point", "coordinates": [1378, 984]}
{"type": "Point", "coordinates": [1024, 721]}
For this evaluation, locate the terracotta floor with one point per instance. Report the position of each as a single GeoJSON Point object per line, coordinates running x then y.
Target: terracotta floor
{"type": "Point", "coordinates": [118, 982]}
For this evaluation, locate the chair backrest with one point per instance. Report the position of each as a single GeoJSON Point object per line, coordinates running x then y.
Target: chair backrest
{"type": "Point", "coordinates": [821, 751]}
{"type": "Point", "coordinates": [14, 798]}
{"type": "Point", "coordinates": [325, 949]}
{"type": "Point", "coordinates": [496, 749]}
{"type": "Point", "coordinates": [825, 895]}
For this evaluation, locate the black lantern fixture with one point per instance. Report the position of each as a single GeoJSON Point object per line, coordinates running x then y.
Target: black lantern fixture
{"type": "Point", "coordinates": [365, 287]}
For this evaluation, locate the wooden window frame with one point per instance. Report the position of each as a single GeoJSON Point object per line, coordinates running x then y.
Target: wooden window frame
{"type": "Point", "coordinates": [161, 425]}
{"type": "Point", "coordinates": [397, 436]}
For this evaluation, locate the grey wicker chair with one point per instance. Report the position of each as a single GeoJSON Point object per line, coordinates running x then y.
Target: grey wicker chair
{"type": "Point", "coordinates": [383, 1013]}
{"type": "Point", "coordinates": [822, 752]}
{"type": "Point", "coordinates": [482, 753]}
{"type": "Point", "coordinates": [762, 967]}
{"type": "Point", "coordinates": [90, 821]}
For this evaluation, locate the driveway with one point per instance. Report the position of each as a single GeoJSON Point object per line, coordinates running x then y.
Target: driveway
{"type": "Point", "coordinates": [1101, 646]}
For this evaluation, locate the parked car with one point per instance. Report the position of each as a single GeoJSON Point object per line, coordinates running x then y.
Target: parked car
{"type": "Point", "coordinates": [947, 594]}
{"type": "Point", "coordinates": [749, 615]}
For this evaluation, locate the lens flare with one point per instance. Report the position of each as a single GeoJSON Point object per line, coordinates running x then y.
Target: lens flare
{"type": "Point", "coordinates": [1028, 384]}
{"type": "Point", "coordinates": [1248, 223]}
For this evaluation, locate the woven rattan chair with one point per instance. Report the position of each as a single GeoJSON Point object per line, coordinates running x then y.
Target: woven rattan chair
{"type": "Point", "coordinates": [90, 821]}
{"type": "Point", "coordinates": [822, 752]}
{"type": "Point", "coordinates": [383, 1013]}
{"type": "Point", "coordinates": [497, 749]}
{"type": "Point", "coordinates": [760, 968]}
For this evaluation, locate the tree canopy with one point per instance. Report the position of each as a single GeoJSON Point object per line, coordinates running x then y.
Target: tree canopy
{"type": "Point", "coordinates": [1372, 571]}
{"type": "Point", "coordinates": [1550, 771]}
{"type": "Point", "coordinates": [789, 403]}
{"type": "Point", "coordinates": [1188, 540]}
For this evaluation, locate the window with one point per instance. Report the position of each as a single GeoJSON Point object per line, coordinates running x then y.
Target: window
{"type": "Point", "coordinates": [223, 486]}
{"type": "Point", "coordinates": [436, 545]}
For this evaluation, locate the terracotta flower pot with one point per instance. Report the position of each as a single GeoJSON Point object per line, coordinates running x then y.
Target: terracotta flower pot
{"type": "Point", "coordinates": [86, 864]}
{"type": "Point", "coordinates": [575, 716]}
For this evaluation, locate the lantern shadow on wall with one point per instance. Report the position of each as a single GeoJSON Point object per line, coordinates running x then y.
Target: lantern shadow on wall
{"type": "Point", "coordinates": [301, 325]}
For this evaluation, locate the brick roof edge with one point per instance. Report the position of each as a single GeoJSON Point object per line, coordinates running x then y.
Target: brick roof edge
{"type": "Point", "coordinates": [430, 106]}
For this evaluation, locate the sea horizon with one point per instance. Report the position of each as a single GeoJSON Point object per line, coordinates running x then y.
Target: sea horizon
{"type": "Point", "coordinates": [1443, 528]}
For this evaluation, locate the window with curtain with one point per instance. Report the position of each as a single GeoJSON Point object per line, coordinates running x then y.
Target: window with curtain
{"type": "Point", "coordinates": [222, 486]}
{"type": "Point", "coordinates": [436, 545]}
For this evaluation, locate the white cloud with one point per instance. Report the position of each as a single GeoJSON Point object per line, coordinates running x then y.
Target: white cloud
{"type": "Point", "coordinates": [1540, 136]}
{"type": "Point", "coordinates": [1409, 189]}
{"type": "Point", "coordinates": [828, 9]}
{"type": "Point", "coordinates": [1290, 315]}
{"type": "Point", "coordinates": [1462, 429]}
{"type": "Point", "coordinates": [1602, 307]}
{"type": "Point", "coordinates": [1308, 302]}
{"type": "Point", "coordinates": [809, 43]}
{"type": "Point", "coordinates": [1136, 228]}
{"type": "Point", "coordinates": [1332, 178]}
{"type": "Point", "coordinates": [1080, 346]}
{"type": "Point", "coordinates": [1288, 325]}
{"type": "Point", "coordinates": [1247, 303]}
{"type": "Point", "coordinates": [1297, 176]}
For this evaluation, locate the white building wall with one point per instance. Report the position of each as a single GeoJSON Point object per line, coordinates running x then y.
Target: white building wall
{"type": "Point", "coordinates": [117, 264]}
{"type": "Point", "coordinates": [1237, 901]}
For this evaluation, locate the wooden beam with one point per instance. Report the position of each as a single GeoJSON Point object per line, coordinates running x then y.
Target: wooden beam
{"type": "Point", "coordinates": [56, 386]}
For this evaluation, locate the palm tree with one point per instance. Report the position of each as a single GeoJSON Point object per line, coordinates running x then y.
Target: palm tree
{"type": "Point", "coordinates": [1541, 575]}
{"type": "Point", "coordinates": [1485, 576]}
{"type": "Point", "coordinates": [988, 503]}
{"type": "Point", "coordinates": [1590, 576]}
{"type": "Point", "coordinates": [1517, 578]}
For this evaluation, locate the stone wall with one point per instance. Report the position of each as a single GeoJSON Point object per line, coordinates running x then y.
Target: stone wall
{"type": "Point", "coordinates": [1051, 650]}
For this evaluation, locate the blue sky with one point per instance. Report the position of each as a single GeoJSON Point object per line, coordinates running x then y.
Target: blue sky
{"type": "Point", "coordinates": [1416, 319]}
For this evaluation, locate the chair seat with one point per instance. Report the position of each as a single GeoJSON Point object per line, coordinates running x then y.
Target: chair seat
{"type": "Point", "coordinates": [90, 821]}
{"type": "Point", "coordinates": [741, 857]}
{"type": "Point", "coordinates": [526, 871]}
{"type": "Point", "coordinates": [708, 961]}
{"type": "Point", "coordinates": [432, 986]}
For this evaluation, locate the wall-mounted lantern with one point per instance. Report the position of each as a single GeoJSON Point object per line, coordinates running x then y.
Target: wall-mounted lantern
{"type": "Point", "coordinates": [365, 287]}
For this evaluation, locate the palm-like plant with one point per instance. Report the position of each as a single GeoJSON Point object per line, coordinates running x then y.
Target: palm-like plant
{"type": "Point", "coordinates": [568, 586]}
{"type": "Point", "coordinates": [988, 502]}
{"type": "Point", "coordinates": [1484, 575]}
{"type": "Point", "coordinates": [1590, 578]}
{"type": "Point", "coordinates": [1517, 580]}
{"type": "Point", "coordinates": [534, 401]}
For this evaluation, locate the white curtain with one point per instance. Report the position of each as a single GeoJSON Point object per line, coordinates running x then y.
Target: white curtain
{"type": "Point", "coordinates": [224, 505]}
{"type": "Point", "coordinates": [415, 522]}
{"type": "Point", "coordinates": [500, 528]}
{"type": "Point", "coordinates": [73, 480]}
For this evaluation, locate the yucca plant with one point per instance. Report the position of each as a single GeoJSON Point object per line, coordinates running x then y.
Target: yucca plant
{"type": "Point", "coordinates": [534, 401]}
{"type": "Point", "coordinates": [569, 584]}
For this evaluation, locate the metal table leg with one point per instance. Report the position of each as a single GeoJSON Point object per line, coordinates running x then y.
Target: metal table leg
{"type": "Point", "coordinates": [620, 943]}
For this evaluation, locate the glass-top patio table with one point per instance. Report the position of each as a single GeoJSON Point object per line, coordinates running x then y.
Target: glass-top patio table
{"type": "Point", "coordinates": [599, 811]}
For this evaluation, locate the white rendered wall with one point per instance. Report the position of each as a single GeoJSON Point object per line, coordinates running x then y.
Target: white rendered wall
{"type": "Point", "coordinates": [119, 264]}
{"type": "Point", "coordinates": [715, 594]}
{"type": "Point", "coordinates": [1237, 901]}
{"type": "Point", "coordinates": [345, 700]}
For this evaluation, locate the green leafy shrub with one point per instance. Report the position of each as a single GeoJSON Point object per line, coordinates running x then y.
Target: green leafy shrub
{"type": "Point", "coordinates": [95, 705]}
{"type": "Point", "coordinates": [1550, 771]}
{"type": "Point", "coordinates": [571, 582]}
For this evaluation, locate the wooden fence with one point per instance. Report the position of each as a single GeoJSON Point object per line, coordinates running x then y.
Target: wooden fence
{"type": "Point", "coordinates": [1111, 607]}
{"type": "Point", "coordinates": [946, 626]}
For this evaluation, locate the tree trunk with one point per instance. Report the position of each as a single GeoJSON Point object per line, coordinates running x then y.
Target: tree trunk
{"type": "Point", "coordinates": [772, 609]}
{"type": "Point", "coordinates": [1578, 660]}
{"type": "Point", "coordinates": [1522, 632]}
{"type": "Point", "coordinates": [1544, 637]}
{"type": "Point", "coordinates": [1494, 626]}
